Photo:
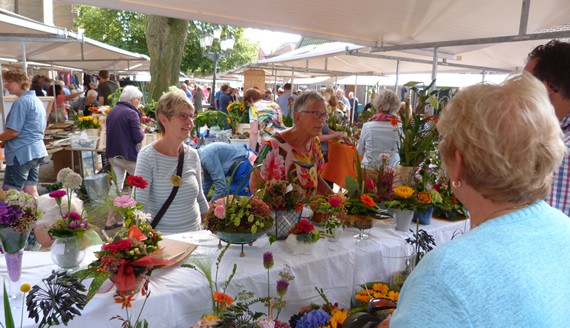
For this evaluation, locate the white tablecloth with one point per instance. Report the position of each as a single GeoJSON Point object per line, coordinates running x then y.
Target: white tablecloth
{"type": "Point", "coordinates": [180, 296]}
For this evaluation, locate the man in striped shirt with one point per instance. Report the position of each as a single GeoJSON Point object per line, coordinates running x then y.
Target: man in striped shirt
{"type": "Point", "coordinates": [550, 63]}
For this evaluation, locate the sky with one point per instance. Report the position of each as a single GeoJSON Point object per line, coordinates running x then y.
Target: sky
{"type": "Point", "coordinates": [269, 40]}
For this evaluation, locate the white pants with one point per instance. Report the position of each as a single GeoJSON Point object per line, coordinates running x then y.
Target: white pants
{"type": "Point", "coordinates": [120, 166]}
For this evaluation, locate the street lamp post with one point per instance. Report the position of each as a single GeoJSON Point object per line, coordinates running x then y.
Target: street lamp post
{"type": "Point", "coordinates": [215, 53]}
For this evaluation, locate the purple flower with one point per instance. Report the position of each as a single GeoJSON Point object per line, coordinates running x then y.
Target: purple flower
{"type": "Point", "coordinates": [57, 194]}
{"type": "Point", "coordinates": [73, 216]}
{"type": "Point", "coordinates": [313, 319]}
{"type": "Point", "coordinates": [9, 215]}
{"type": "Point", "coordinates": [282, 285]}
{"type": "Point", "coordinates": [268, 260]}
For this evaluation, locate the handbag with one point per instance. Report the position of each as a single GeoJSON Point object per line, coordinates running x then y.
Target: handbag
{"type": "Point", "coordinates": [170, 198]}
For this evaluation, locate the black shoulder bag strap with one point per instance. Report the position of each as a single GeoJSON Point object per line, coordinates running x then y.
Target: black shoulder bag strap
{"type": "Point", "coordinates": [170, 198]}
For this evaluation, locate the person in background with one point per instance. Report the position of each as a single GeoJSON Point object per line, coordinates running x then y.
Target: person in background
{"type": "Point", "coordinates": [62, 104]}
{"type": "Point", "coordinates": [550, 63]}
{"type": "Point", "coordinates": [295, 154]}
{"type": "Point", "coordinates": [106, 87]}
{"type": "Point", "coordinates": [124, 136]}
{"type": "Point", "coordinates": [264, 117]}
{"type": "Point", "coordinates": [353, 107]}
{"type": "Point", "coordinates": [286, 100]}
{"type": "Point", "coordinates": [516, 239]}
{"type": "Point", "coordinates": [341, 98]}
{"type": "Point", "coordinates": [198, 98]}
{"type": "Point", "coordinates": [65, 89]}
{"type": "Point", "coordinates": [268, 95]}
{"type": "Point", "coordinates": [23, 137]}
{"type": "Point", "coordinates": [184, 88]}
{"type": "Point", "coordinates": [81, 106]}
{"type": "Point", "coordinates": [37, 84]}
{"type": "Point", "coordinates": [157, 164]}
{"type": "Point", "coordinates": [225, 98]}
{"type": "Point", "coordinates": [280, 91]}
{"type": "Point", "coordinates": [219, 161]}
{"type": "Point", "coordinates": [381, 134]}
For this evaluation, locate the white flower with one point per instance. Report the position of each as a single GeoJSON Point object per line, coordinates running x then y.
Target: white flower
{"type": "Point", "coordinates": [142, 216]}
{"type": "Point", "coordinates": [63, 173]}
{"type": "Point", "coordinates": [265, 322]}
{"type": "Point", "coordinates": [72, 181]}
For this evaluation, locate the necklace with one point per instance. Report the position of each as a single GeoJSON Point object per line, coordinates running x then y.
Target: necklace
{"type": "Point", "coordinates": [493, 214]}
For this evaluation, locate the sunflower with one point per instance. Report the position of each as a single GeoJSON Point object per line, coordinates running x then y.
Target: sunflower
{"type": "Point", "coordinates": [404, 192]}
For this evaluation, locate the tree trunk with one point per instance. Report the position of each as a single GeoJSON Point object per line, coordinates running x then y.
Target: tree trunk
{"type": "Point", "coordinates": [166, 38]}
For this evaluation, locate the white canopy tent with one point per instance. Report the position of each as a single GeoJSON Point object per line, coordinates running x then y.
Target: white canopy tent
{"type": "Point", "coordinates": [26, 40]}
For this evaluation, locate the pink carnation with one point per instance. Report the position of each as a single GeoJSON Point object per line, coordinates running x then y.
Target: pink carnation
{"type": "Point", "coordinates": [57, 194]}
{"type": "Point", "coordinates": [335, 201]}
{"type": "Point", "coordinates": [220, 212]}
{"type": "Point", "coordinates": [124, 201]}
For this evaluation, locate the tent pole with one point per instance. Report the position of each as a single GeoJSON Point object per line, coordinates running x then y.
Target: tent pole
{"type": "Point", "coordinates": [483, 76]}
{"type": "Point", "coordinates": [397, 76]}
{"type": "Point", "coordinates": [434, 67]}
{"type": "Point", "coordinates": [54, 95]}
{"type": "Point", "coordinates": [274, 94]}
{"type": "Point", "coordinates": [24, 61]}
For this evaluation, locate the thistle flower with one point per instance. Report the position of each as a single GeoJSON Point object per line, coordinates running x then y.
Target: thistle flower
{"type": "Point", "coordinates": [268, 260]}
{"type": "Point", "coordinates": [282, 286]}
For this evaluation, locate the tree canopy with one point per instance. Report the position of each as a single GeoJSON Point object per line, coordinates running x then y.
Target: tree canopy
{"type": "Point", "coordinates": [126, 30]}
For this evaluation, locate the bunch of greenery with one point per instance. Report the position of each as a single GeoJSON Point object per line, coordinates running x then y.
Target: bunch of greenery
{"type": "Point", "coordinates": [282, 195]}
{"type": "Point", "coordinates": [210, 118]}
{"type": "Point", "coordinates": [239, 214]}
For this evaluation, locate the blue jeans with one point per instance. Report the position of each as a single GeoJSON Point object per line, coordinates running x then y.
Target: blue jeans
{"type": "Point", "coordinates": [17, 176]}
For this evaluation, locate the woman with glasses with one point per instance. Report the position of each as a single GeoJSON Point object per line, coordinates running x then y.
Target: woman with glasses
{"type": "Point", "coordinates": [295, 154]}
{"type": "Point", "coordinates": [501, 145]}
{"type": "Point", "coordinates": [158, 162]}
{"type": "Point", "coordinates": [381, 133]}
{"type": "Point", "coordinates": [124, 136]}
{"type": "Point", "coordinates": [265, 117]}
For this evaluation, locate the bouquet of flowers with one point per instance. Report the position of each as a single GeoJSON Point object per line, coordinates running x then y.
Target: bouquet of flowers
{"type": "Point", "coordinates": [150, 123]}
{"type": "Point", "coordinates": [71, 223]}
{"type": "Point", "coordinates": [305, 232]}
{"type": "Point", "coordinates": [325, 206]}
{"type": "Point", "coordinates": [375, 290]}
{"type": "Point", "coordinates": [406, 198]}
{"type": "Point", "coordinates": [360, 201]}
{"type": "Point", "coordinates": [87, 122]}
{"type": "Point", "coordinates": [282, 195]}
{"type": "Point", "coordinates": [18, 211]}
{"type": "Point", "coordinates": [450, 207]}
{"type": "Point", "coordinates": [382, 178]}
{"type": "Point", "coordinates": [235, 112]}
{"type": "Point", "coordinates": [239, 214]}
{"type": "Point", "coordinates": [315, 316]}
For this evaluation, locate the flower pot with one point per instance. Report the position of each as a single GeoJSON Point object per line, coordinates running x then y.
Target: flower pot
{"type": "Point", "coordinates": [92, 132]}
{"type": "Point", "coordinates": [403, 219]}
{"type": "Point", "coordinates": [239, 238]}
{"type": "Point", "coordinates": [13, 243]}
{"type": "Point", "coordinates": [423, 218]}
{"type": "Point", "coordinates": [283, 222]}
{"type": "Point", "coordinates": [298, 247]}
{"type": "Point", "coordinates": [67, 252]}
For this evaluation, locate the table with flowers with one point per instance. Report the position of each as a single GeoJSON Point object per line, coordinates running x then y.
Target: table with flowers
{"type": "Point", "coordinates": [180, 296]}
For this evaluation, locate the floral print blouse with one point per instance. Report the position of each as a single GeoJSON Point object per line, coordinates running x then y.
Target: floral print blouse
{"type": "Point", "coordinates": [268, 116]}
{"type": "Point", "coordinates": [279, 160]}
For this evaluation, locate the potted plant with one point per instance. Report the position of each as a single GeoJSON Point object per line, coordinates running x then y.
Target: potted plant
{"type": "Point", "coordinates": [286, 201]}
{"type": "Point", "coordinates": [326, 206]}
{"type": "Point", "coordinates": [333, 228]}
{"type": "Point", "coordinates": [301, 237]}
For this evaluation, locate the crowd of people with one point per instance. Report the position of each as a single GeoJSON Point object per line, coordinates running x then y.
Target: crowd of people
{"type": "Point", "coordinates": [505, 148]}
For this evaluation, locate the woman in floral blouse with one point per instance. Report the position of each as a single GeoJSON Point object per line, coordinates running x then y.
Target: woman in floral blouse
{"type": "Point", "coordinates": [265, 117]}
{"type": "Point", "coordinates": [295, 154]}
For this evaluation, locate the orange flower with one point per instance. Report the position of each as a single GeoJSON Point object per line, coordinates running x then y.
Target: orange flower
{"type": "Point", "coordinates": [423, 197]}
{"type": "Point", "coordinates": [393, 121]}
{"type": "Point", "coordinates": [367, 200]}
{"type": "Point", "coordinates": [223, 299]}
{"type": "Point", "coordinates": [124, 300]}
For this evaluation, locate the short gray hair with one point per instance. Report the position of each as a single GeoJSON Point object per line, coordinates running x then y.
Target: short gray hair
{"type": "Point", "coordinates": [387, 102]}
{"type": "Point", "coordinates": [306, 99]}
{"type": "Point", "coordinates": [92, 93]}
{"type": "Point", "coordinates": [130, 92]}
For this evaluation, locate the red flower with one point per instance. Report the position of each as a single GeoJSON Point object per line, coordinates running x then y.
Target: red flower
{"type": "Point", "coordinates": [136, 181]}
{"type": "Point", "coordinates": [370, 184]}
{"type": "Point", "coordinates": [304, 226]}
{"type": "Point", "coordinates": [393, 121]}
{"type": "Point", "coordinates": [367, 200]}
{"type": "Point", "coordinates": [223, 299]}
{"type": "Point", "coordinates": [335, 201]}
{"type": "Point", "coordinates": [118, 246]}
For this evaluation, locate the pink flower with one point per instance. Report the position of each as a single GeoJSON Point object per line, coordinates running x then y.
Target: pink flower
{"type": "Point", "coordinates": [220, 212]}
{"type": "Point", "coordinates": [57, 194]}
{"type": "Point", "coordinates": [124, 201]}
{"type": "Point", "coordinates": [335, 201]}
{"type": "Point", "coordinates": [273, 167]}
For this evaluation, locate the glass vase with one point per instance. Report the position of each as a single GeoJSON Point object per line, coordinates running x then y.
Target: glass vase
{"type": "Point", "coordinates": [13, 243]}
{"type": "Point", "coordinates": [67, 252]}
{"type": "Point", "coordinates": [283, 222]}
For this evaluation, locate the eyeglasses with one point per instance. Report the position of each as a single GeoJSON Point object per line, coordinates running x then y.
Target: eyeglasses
{"type": "Point", "coordinates": [318, 115]}
{"type": "Point", "coordinates": [183, 116]}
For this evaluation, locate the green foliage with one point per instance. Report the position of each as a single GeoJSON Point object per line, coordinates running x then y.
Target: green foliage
{"type": "Point", "coordinates": [113, 98]}
{"type": "Point", "coordinates": [211, 118]}
{"type": "Point", "coordinates": [8, 318]}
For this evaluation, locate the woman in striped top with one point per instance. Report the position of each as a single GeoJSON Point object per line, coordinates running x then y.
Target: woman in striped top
{"type": "Point", "coordinates": [157, 163]}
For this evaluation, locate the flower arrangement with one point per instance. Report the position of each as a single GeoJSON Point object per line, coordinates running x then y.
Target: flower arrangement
{"type": "Point", "coordinates": [375, 290]}
{"type": "Point", "coordinates": [87, 122]}
{"type": "Point", "coordinates": [333, 204]}
{"type": "Point", "coordinates": [381, 178]}
{"type": "Point", "coordinates": [150, 123]}
{"type": "Point", "coordinates": [239, 214]}
{"type": "Point", "coordinates": [360, 201]}
{"type": "Point", "coordinates": [315, 316]}
{"type": "Point", "coordinates": [406, 198]}
{"type": "Point", "coordinates": [450, 207]}
{"type": "Point", "coordinates": [331, 224]}
{"type": "Point", "coordinates": [305, 232]}
{"type": "Point", "coordinates": [18, 211]}
{"type": "Point", "coordinates": [282, 195]}
{"type": "Point", "coordinates": [71, 223]}
{"type": "Point", "coordinates": [235, 113]}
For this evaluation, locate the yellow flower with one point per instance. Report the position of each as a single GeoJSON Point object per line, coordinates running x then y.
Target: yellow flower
{"type": "Point", "coordinates": [176, 180]}
{"type": "Point", "coordinates": [404, 192]}
{"type": "Point", "coordinates": [25, 288]}
{"type": "Point", "coordinates": [229, 120]}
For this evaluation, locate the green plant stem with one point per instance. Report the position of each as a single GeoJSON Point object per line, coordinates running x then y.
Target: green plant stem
{"type": "Point", "coordinates": [268, 296]}
{"type": "Point", "coordinates": [142, 307]}
{"type": "Point", "coordinates": [22, 313]}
